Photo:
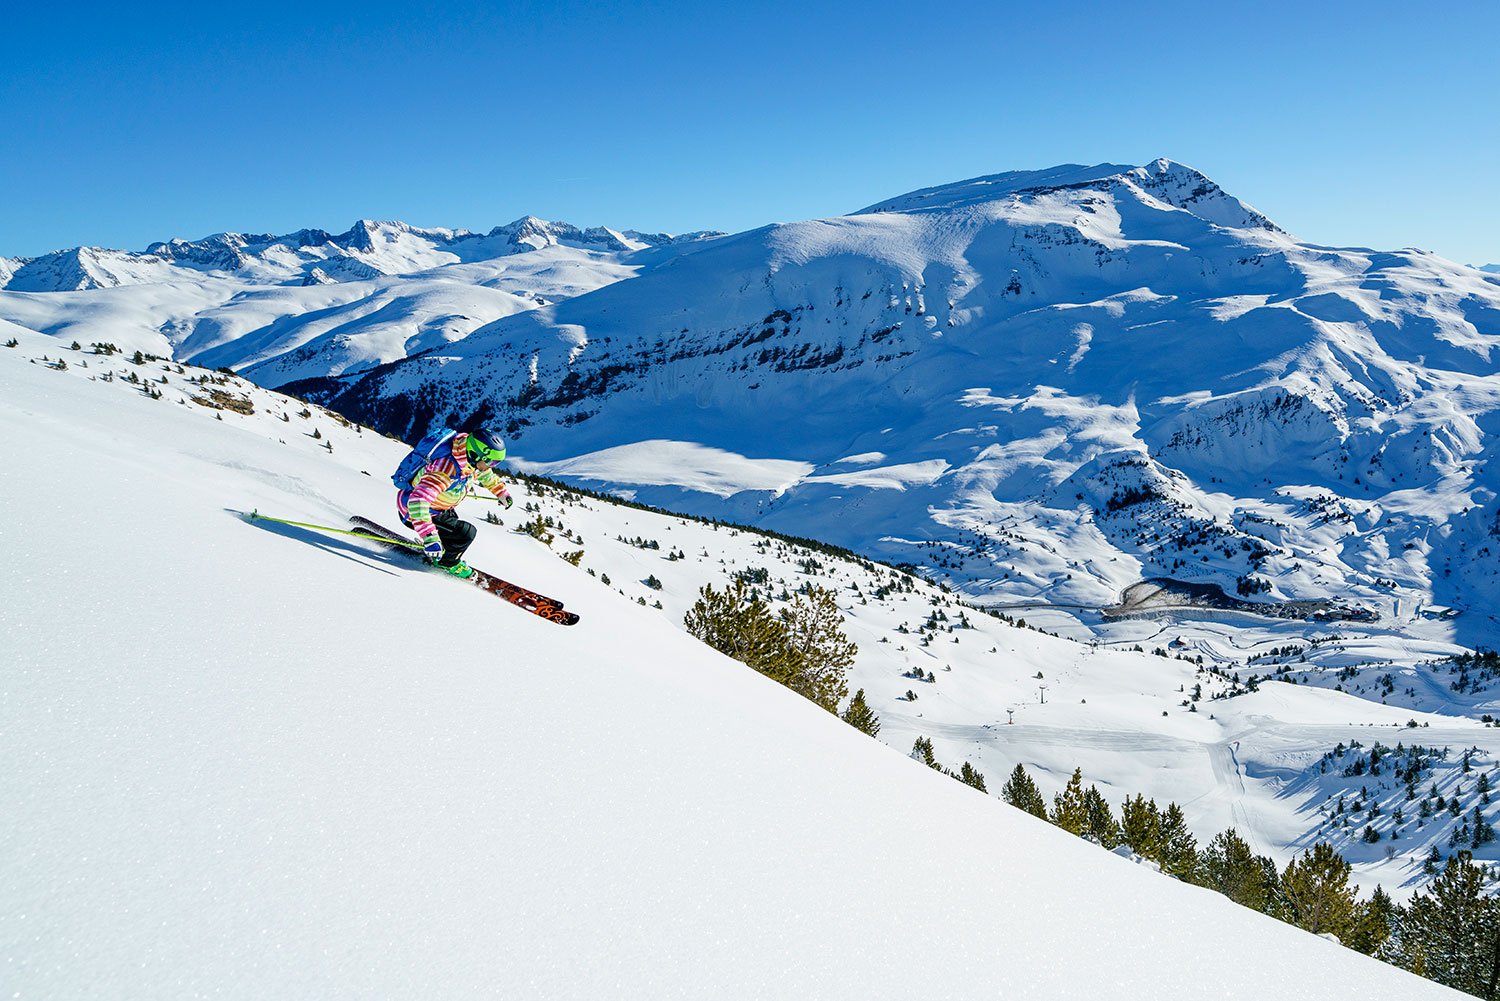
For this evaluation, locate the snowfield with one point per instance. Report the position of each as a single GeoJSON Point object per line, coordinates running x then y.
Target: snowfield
{"type": "Point", "coordinates": [245, 760]}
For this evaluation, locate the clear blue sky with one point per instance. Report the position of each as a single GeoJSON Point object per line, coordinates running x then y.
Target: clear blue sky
{"type": "Point", "coordinates": [1370, 124]}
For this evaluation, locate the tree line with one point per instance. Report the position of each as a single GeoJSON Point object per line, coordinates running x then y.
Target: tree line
{"type": "Point", "coordinates": [1450, 932]}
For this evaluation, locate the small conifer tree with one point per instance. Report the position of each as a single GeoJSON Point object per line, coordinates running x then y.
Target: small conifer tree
{"type": "Point", "coordinates": [971, 776]}
{"type": "Point", "coordinates": [860, 716]}
{"type": "Point", "coordinates": [1179, 849]}
{"type": "Point", "coordinates": [822, 652]}
{"type": "Point", "coordinates": [1373, 922]}
{"type": "Point", "coordinates": [1099, 820]}
{"type": "Point", "coordinates": [1068, 810]}
{"type": "Point", "coordinates": [922, 751]}
{"type": "Point", "coordinates": [1021, 792]}
{"type": "Point", "coordinates": [1140, 825]}
{"type": "Point", "coordinates": [1230, 867]}
{"type": "Point", "coordinates": [1318, 896]}
{"type": "Point", "coordinates": [1483, 832]}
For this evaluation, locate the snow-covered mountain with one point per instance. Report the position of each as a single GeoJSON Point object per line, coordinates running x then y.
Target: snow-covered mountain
{"type": "Point", "coordinates": [241, 760]}
{"type": "Point", "coordinates": [1042, 386]}
{"type": "Point", "coordinates": [313, 303]}
{"type": "Point", "coordinates": [367, 250]}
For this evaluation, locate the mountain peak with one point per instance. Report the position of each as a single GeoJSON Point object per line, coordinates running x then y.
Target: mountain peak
{"type": "Point", "coordinates": [71, 271]}
{"type": "Point", "coordinates": [1163, 179]}
{"type": "Point", "coordinates": [1191, 190]}
{"type": "Point", "coordinates": [992, 187]}
{"type": "Point", "coordinates": [533, 233]}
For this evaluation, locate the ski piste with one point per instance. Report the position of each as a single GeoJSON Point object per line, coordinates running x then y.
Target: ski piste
{"type": "Point", "coordinates": [537, 604]}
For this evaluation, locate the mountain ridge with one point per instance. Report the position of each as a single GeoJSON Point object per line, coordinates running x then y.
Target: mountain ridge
{"type": "Point", "coordinates": [272, 256]}
{"type": "Point", "coordinates": [1004, 338]}
{"type": "Point", "coordinates": [1177, 184]}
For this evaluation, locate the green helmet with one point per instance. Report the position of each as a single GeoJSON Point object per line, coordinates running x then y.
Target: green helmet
{"type": "Point", "coordinates": [485, 445]}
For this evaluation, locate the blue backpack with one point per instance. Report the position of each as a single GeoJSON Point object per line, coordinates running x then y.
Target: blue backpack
{"type": "Point", "coordinates": [434, 443]}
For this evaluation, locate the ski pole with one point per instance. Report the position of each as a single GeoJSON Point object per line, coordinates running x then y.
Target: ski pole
{"type": "Point", "coordinates": [257, 516]}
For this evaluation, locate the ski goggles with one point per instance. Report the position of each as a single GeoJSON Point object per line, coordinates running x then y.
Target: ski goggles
{"type": "Point", "coordinates": [480, 452]}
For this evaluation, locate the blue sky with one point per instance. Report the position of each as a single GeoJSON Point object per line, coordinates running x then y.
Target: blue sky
{"type": "Point", "coordinates": [1368, 124]}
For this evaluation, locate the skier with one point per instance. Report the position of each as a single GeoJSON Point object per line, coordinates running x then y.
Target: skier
{"type": "Point", "coordinates": [427, 505]}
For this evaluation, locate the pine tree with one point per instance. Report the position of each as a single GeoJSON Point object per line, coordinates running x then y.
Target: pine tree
{"type": "Point", "coordinates": [1068, 810]}
{"type": "Point", "coordinates": [1484, 833]}
{"type": "Point", "coordinates": [1179, 849]}
{"type": "Point", "coordinates": [1373, 921]}
{"type": "Point", "coordinates": [822, 653]}
{"type": "Point", "coordinates": [1316, 889]}
{"type": "Point", "coordinates": [1141, 827]}
{"type": "Point", "coordinates": [741, 626]}
{"type": "Point", "coordinates": [1021, 792]}
{"type": "Point", "coordinates": [1230, 867]}
{"type": "Point", "coordinates": [1099, 820]}
{"type": "Point", "coordinates": [922, 751]}
{"type": "Point", "coordinates": [971, 776]}
{"type": "Point", "coordinates": [860, 716]}
{"type": "Point", "coordinates": [1451, 933]}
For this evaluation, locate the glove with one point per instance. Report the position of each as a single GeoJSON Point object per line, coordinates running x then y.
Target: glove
{"type": "Point", "coordinates": [433, 550]}
{"type": "Point", "coordinates": [507, 501]}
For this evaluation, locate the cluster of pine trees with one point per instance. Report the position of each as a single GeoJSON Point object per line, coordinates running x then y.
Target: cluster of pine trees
{"type": "Point", "coordinates": [968, 774]}
{"type": "Point", "coordinates": [803, 646]}
{"type": "Point", "coordinates": [1449, 933]}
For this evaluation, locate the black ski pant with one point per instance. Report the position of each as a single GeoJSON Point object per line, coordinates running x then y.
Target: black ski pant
{"type": "Point", "coordinates": [456, 536]}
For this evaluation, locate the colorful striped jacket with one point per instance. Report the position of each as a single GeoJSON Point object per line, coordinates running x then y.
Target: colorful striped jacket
{"type": "Point", "coordinates": [440, 486]}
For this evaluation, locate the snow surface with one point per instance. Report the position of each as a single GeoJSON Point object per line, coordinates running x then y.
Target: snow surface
{"type": "Point", "coordinates": [249, 760]}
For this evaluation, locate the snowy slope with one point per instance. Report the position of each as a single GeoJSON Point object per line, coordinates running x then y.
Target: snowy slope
{"type": "Point", "coordinates": [238, 765]}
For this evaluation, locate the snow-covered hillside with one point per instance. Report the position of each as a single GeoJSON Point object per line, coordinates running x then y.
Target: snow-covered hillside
{"type": "Point", "coordinates": [312, 303]}
{"type": "Point", "coordinates": [1044, 387]}
{"type": "Point", "coordinates": [254, 760]}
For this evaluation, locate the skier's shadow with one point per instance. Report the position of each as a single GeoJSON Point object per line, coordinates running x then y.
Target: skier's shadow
{"type": "Point", "coordinates": [332, 544]}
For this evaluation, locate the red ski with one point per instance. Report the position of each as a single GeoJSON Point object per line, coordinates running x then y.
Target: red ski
{"type": "Point", "coordinates": [537, 604]}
